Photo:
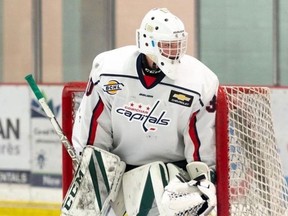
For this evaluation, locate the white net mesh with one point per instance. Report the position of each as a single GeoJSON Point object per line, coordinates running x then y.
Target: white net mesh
{"type": "Point", "coordinates": [257, 185]}
{"type": "Point", "coordinates": [76, 100]}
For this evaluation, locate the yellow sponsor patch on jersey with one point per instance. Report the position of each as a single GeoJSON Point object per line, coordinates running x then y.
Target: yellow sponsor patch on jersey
{"type": "Point", "coordinates": [180, 98]}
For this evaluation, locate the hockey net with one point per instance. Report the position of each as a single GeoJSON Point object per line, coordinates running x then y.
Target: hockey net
{"type": "Point", "coordinates": [249, 172]}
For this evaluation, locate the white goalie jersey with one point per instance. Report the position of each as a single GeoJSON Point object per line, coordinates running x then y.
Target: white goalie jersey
{"type": "Point", "coordinates": [143, 119]}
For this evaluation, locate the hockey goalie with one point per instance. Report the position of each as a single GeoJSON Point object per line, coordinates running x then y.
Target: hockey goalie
{"type": "Point", "coordinates": [145, 128]}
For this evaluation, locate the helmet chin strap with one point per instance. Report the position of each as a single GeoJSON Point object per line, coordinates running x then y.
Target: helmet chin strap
{"type": "Point", "coordinates": [153, 70]}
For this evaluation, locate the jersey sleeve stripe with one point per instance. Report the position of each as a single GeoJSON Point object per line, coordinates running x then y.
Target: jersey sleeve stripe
{"type": "Point", "coordinates": [94, 123]}
{"type": "Point", "coordinates": [194, 137]}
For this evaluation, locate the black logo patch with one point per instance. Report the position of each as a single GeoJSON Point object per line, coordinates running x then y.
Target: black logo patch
{"type": "Point", "coordinates": [180, 98]}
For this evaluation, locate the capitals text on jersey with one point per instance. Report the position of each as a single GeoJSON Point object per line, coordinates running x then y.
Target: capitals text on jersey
{"type": "Point", "coordinates": [145, 116]}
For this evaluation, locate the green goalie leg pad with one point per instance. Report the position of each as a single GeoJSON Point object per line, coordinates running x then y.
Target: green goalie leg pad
{"type": "Point", "coordinates": [95, 184]}
{"type": "Point", "coordinates": [143, 188]}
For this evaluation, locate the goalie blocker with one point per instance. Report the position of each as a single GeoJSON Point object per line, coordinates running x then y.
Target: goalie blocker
{"type": "Point", "coordinates": [152, 189]}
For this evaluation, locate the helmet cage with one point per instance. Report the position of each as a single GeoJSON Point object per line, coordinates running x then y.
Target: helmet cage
{"type": "Point", "coordinates": [173, 49]}
{"type": "Point", "coordinates": [165, 50]}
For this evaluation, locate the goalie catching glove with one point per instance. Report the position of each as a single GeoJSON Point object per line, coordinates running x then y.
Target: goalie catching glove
{"type": "Point", "coordinates": [190, 197]}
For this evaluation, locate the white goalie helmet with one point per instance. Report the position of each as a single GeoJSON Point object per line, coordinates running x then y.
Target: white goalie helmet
{"type": "Point", "coordinates": [162, 37]}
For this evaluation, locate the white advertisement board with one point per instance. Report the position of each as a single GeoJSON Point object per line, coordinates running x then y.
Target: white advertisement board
{"type": "Point", "coordinates": [46, 147]}
{"type": "Point", "coordinates": [15, 139]}
{"type": "Point", "coordinates": [30, 150]}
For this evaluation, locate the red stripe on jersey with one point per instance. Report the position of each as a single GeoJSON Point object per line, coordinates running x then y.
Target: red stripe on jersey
{"type": "Point", "coordinates": [93, 124]}
{"type": "Point", "coordinates": [194, 137]}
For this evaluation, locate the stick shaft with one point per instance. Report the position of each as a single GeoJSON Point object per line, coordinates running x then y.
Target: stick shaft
{"type": "Point", "coordinates": [68, 146]}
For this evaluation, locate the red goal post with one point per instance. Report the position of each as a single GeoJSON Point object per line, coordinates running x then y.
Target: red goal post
{"type": "Point", "coordinates": [71, 98]}
{"type": "Point", "coordinates": [249, 173]}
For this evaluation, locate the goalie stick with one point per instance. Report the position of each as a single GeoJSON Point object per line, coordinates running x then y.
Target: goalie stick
{"type": "Point", "coordinates": [68, 146]}
{"type": "Point", "coordinates": [42, 101]}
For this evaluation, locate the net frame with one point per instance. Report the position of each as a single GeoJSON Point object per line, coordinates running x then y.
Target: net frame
{"type": "Point", "coordinates": [228, 195]}
{"type": "Point", "coordinates": [250, 178]}
{"type": "Point", "coordinates": [69, 106]}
